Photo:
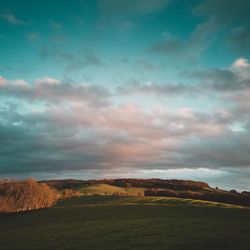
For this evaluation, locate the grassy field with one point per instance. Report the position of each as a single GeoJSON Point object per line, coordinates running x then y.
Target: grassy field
{"type": "Point", "coordinates": [146, 200]}
{"type": "Point", "coordinates": [104, 189]}
{"type": "Point", "coordinates": [127, 223]}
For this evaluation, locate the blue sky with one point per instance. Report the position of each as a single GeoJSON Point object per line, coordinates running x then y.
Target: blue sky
{"type": "Point", "coordinates": [111, 87]}
{"type": "Point", "coordinates": [33, 34]}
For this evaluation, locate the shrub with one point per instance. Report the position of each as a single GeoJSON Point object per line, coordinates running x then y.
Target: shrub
{"type": "Point", "coordinates": [25, 195]}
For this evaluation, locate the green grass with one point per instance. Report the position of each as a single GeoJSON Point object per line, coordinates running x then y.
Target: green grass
{"type": "Point", "coordinates": [85, 224]}
{"type": "Point", "coordinates": [145, 200]}
{"type": "Point", "coordinates": [105, 189]}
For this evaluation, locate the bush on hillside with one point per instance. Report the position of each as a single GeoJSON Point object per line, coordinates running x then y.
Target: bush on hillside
{"type": "Point", "coordinates": [25, 195]}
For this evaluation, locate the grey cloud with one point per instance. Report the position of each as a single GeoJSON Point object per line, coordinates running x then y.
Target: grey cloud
{"type": "Point", "coordinates": [147, 65]}
{"type": "Point", "coordinates": [219, 16]}
{"type": "Point", "coordinates": [209, 81]}
{"type": "Point", "coordinates": [188, 49]}
{"type": "Point", "coordinates": [225, 12]}
{"type": "Point", "coordinates": [75, 131]}
{"type": "Point", "coordinates": [135, 87]}
{"type": "Point", "coordinates": [50, 90]}
{"type": "Point", "coordinates": [232, 85]}
{"type": "Point", "coordinates": [41, 149]}
{"type": "Point", "coordinates": [73, 61]}
{"type": "Point", "coordinates": [229, 14]}
{"type": "Point", "coordinates": [90, 137]}
{"type": "Point", "coordinates": [124, 16]}
{"type": "Point", "coordinates": [218, 79]}
{"type": "Point", "coordinates": [168, 45]}
{"type": "Point", "coordinates": [241, 108]}
{"type": "Point", "coordinates": [229, 86]}
{"type": "Point", "coordinates": [230, 150]}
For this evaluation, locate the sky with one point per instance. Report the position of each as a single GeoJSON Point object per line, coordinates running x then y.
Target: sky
{"type": "Point", "coordinates": [135, 88]}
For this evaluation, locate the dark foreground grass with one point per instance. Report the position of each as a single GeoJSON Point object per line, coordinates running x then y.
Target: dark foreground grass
{"type": "Point", "coordinates": [127, 227]}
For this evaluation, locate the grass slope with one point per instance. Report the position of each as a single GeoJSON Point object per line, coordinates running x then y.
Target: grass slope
{"type": "Point", "coordinates": [131, 226]}
{"type": "Point", "coordinates": [105, 189]}
{"type": "Point", "coordinates": [146, 200]}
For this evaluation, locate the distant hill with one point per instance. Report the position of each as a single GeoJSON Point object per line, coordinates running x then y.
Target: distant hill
{"type": "Point", "coordinates": [131, 182]}
{"type": "Point", "coordinates": [26, 195]}
{"type": "Point", "coordinates": [152, 187]}
{"type": "Point", "coordinates": [105, 189]}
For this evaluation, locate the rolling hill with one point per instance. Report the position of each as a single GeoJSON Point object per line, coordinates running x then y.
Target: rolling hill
{"type": "Point", "coordinates": [105, 189]}
{"type": "Point", "coordinates": [127, 223]}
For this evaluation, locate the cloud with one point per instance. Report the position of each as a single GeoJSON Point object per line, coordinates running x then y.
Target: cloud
{"type": "Point", "coordinates": [224, 12]}
{"type": "Point", "coordinates": [73, 61]}
{"type": "Point", "coordinates": [242, 68]}
{"type": "Point", "coordinates": [210, 81]}
{"type": "Point", "coordinates": [216, 20]}
{"type": "Point", "coordinates": [68, 134]}
{"type": "Point", "coordinates": [51, 126]}
{"type": "Point", "coordinates": [230, 17]}
{"type": "Point", "coordinates": [74, 137]}
{"type": "Point", "coordinates": [47, 81]}
{"type": "Point", "coordinates": [152, 88]}
{"type": "Point", "coordinates": [50, 90]}
{"type": "Point", "coordinates": [11, 18]}
{"type": "Point", "coordinates": [241, 63]}
{"type": "Point", "coordinates": [231, 79]}
{"type": "Point", "coordinates": [189, 48]}
{"type": "Point", "coordinates": [2, 81]}
{"type": "Point", "coordinates": [229, 150]}
{"type": "Point", "coordinates": [147, 65]}
{"type": "Point", "coordinates": [231, 85]}
{"type": "Point", "coordinates": [169, 44]}
{"type": "Point", "coordinates": [124, 16]}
